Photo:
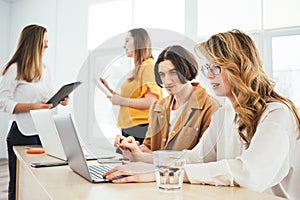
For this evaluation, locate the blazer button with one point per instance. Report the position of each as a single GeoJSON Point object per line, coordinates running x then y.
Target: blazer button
{"type": "Point", "coordinates": [161, 116]}
{"type": "Point", "coordinates": [164, 139]}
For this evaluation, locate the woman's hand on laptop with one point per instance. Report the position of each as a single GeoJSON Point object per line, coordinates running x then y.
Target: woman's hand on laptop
{"type": "Point", "coordinates": [132, 172]}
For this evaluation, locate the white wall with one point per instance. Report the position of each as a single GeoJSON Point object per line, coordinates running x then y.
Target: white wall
{"type": "Point", "coordinates": [24, 12]}
{"type": "Point", "coordinates": [4, 46]}
{"type": "Point", "coordinates": [4, 33]}
{"type": "Point", "coordinates": [66, 22]}
{"type": "Point", "coordinates": [67, 32]}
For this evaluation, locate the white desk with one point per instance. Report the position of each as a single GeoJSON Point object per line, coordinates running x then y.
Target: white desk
{"type": "Point", "coordinates": [61, 183]}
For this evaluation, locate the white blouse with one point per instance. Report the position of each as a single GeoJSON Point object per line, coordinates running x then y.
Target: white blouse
{"type": "Point", "coordinates": [271, 164]}
{"type": "Point", "coordinates": [14, 91]}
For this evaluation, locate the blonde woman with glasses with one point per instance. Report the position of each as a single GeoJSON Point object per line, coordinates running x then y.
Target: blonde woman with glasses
{"type": "Point", "coordinates": [253, 141]}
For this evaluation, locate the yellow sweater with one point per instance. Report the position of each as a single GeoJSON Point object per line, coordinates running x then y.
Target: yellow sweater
{"type": "Point", "coordinates": [145, 79]}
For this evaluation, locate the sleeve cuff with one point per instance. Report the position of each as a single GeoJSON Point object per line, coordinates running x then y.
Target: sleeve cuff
{"type": "Point", "coordinates": [214, 173]}
{"type": "Point", "coordinates": [10, 107]}
{"type": "Point", "coordinates": [153, 89]}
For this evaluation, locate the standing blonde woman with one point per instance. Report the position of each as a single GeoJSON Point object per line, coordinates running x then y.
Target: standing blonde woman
{"type": "Point", "coordinates": [251, 142]}
{"type": "Point", "coordinates": [25, 85]}
{"type": "Point", "coordinates": [140, 90]}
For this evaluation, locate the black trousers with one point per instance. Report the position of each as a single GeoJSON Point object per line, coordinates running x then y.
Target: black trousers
{"type": "Point", "coordinates": [16, 138]}
{"type": "Point", "coordinates": [138, 132]}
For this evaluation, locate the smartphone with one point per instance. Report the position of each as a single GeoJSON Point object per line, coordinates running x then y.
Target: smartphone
{"type": "Point", "coordinates": [112, 160]}
{"type": "Point", "coordinates": [33, 146]}
{"type": "Point", "coordinates": [49, 164]}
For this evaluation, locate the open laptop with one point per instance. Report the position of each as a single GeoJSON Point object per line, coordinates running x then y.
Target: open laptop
{"type": "Point", "coordinates": [44, 123]}
{"type": "Point", "coordinates": [50, 140]}
{"type": "Point", "coordinates": [70, 141]}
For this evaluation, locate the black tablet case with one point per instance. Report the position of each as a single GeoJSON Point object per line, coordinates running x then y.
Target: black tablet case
{"type": "Point", "coordinates": [62, 93]}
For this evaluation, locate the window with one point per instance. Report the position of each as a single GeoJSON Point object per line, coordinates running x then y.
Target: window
{"type": "Point", "coordinates": [278, 13]}
{"type": "Point", "coordinates": [166, 14]}
{"type": "Point", "coordinates": [217, 16]}
{"type": "Point", "coordinates": [107, 19]}
{"type": "Point", "coordinates": [134, 13]}
{"type": "Point", "coordinates": [286, 66]}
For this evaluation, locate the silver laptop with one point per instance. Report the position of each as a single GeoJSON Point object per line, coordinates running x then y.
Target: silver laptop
{"type": "Point", "coordinates": [49, 137]}
{"type": "Point", "coordinates": [44, 123]}
{"type": "Point", "coordinates": [70, 141]}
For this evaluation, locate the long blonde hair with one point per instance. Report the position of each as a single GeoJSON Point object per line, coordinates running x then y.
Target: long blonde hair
{"type": "Point", "coordinates": [142, 49]}
{"type": "Point", "coordinates": [28, 54]}
{"type": "Point", "coordinates": [235, 52]}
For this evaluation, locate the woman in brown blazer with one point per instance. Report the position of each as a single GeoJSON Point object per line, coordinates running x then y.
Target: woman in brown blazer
{"type": "Point", "coordinates": [177, 121]}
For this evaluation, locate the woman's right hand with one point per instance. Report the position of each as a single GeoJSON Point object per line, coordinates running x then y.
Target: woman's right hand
{"type": "Point", "coordinates": [127, 144]}
{"type": "Point", "coordinates": [130, 144]}
{"type": "Point", "coordinates": [118, 140]}
{"type": "Point", "coordinates": [106, 85]}
{"type": "Point", "coordinates": [104, 82]}
{"type": "Point", "coordinates": [132, 172]}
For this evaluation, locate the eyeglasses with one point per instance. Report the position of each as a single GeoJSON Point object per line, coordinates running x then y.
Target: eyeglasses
{"type": "Point", "coordinates": [215, 70]}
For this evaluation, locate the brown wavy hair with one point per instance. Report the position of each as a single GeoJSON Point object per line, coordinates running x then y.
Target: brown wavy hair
{"type": "Point", "coordinates": [142, 49]}
{"type": "Point", "coordinates": [28, 54]}
{"type": "Point", "coordinates": [236, 52]}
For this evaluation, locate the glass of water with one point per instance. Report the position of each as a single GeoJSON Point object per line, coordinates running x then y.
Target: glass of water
{"type": "Point", "coordinates": [169, 170]}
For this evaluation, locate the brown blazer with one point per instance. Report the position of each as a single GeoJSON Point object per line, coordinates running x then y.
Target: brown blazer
{"type": "Point", "coordinates": [190, 126]}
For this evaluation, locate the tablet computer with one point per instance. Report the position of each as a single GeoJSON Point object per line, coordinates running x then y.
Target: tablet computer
{"type": "Point", "coordinates": [63, 92]}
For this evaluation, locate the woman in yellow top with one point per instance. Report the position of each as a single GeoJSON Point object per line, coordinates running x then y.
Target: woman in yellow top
{"type": "Point", "coordinates": [140, 90]}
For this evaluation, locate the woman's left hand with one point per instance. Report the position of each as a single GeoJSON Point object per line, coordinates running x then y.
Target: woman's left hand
{"type": "Point", "coordinates": [132, 172]}
{"type": "Point", "coordinates": [65, 101]}
{"type": "Point", "coordinates": [119, 100]}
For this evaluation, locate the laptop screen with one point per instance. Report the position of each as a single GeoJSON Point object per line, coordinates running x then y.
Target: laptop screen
{"type": "Point", "coordinates": [47, 131]}
{"type": "Point", "coordinates": [68, 135]}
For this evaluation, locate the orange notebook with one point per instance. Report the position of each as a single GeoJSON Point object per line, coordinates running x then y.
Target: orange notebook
{"type": "Point", "coordinates": [35, 150]}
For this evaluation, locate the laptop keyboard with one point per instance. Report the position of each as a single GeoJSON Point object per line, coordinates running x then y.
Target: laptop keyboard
{"type": "Point", "coordinates": [98, 170]}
